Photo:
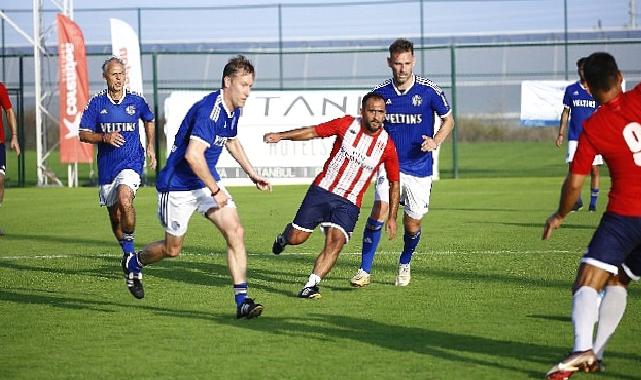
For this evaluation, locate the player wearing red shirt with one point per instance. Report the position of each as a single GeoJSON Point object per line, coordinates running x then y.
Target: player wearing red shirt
{"type": "Point", "coordinates": [334, 199]}
{"type": "Point", "coordinates": [5, 103]}
{"type": "Point", "coordinates": [613, 256]}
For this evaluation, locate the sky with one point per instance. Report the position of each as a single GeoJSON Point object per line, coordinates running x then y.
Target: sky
{"type": "Point", "coordinates": [331, 19]}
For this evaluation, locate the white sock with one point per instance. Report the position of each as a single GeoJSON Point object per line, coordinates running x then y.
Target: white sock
{"type": "Point", "coordinates": [610, 314]}
{"type": "Point", "coordinates": [313, 280]}
{"type": "Point", "coordinates": [584, 316]}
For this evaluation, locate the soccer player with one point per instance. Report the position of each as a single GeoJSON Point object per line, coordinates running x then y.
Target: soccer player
{"type": "Point", "coordinates": [5, 103]}
{"type": "Point", "coordinates": [111, 121]}
{"type": "Point", "coordinates": [613, 256]}
{"type": "Point", "coordinates": [189, 182]}
{"type": "Point", "coordinates": [578, 105]}
{"type": "Point", "coordinates": [411, 102]}
{"type": "Point", "coordinates": [334, 199]}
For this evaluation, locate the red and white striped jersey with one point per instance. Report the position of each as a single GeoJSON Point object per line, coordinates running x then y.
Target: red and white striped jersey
{"type": "Point", "coordinates": [355, 158]}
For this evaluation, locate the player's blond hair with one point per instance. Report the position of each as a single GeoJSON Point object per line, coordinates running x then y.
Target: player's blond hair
{"type": "Point", "coordinates": [237, 65]}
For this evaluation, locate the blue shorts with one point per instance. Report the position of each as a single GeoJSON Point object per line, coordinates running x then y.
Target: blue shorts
{"type": "Point", "coordinates": [3, 159]}
{"type": "Point", "coordinates": [616, 242]}
{"type": "Point", "coordinates": [327, 209]}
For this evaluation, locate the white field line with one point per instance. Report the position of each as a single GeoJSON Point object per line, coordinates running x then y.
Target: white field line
{"type": "Point", "coordinates": [444, 253]}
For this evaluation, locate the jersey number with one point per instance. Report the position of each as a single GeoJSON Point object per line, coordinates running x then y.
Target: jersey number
{"type": "Point", "coordinates": [632, 136]}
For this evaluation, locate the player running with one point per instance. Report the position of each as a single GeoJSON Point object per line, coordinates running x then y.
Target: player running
{"type": "Point", "coordinates": [110, 120]}
{"type": "Point", "coordinates": [613, 256]}
{"type": "Point", "coordinates": [411, 102]}
{"type": "Point", "coordinates": [578, 105]}
{"type": "Point", "coordinates": [190, 182]}
{"type": "Point", "coordinates": [334, 199]}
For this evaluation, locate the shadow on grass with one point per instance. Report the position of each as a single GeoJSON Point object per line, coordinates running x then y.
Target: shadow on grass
{"type": "Point", "coordinates": [449, 346]}
{"type": "Point", "coordinates": [569, 226]}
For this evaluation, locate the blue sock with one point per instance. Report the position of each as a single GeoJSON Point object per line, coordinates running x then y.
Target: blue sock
{"type": "Point", "coordinates": [127, 242]}
{"type": "Point", "coordinates": [371, 237]}
{"type": "Point", "coordinates": [240, 293]}
{"type": "Point", "coordinates": [411, 241]}
{"type": "Point", "coordinates": [134, 265]}
{"type": "Point", "coordinates": [594, 195]}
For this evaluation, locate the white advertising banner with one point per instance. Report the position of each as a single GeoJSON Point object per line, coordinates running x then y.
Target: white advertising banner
{"type": "Point", "coordinates": [542, 102]}
{"type": "Point", "coordinates": [287, 162]}
{"type": "Point", "coordinates": [124, 45]}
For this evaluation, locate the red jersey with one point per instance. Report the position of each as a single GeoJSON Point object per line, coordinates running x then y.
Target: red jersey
{"type": "Point", "coordinates": [354, 158]}
{"type": "Point", "coordinates": [614, 131]}
{"type": "Point", "coordinates": [5, 102]}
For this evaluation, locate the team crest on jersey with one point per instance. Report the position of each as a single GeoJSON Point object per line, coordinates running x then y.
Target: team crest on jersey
{"type": "Point", "coordinates": [417, 100]}
{"type": "Point", "coordinates": [131, 109]}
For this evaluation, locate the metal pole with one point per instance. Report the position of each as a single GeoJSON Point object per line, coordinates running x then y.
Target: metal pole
{"type": "Point", "coordinates": [4, 74]}
{"type": "Point", "coordinates": [154, 66]}
{"type": "Point", "coordinates": [454, 112]}
{"type": "Point", "coordinates": [422, 41]}
{"type": "Point", "coordinates": [565, 28]}
{"type": "Point", "coordinates": [37, 6]}
{"type": "Point", "coordinates": [280, 45]}
{"type": "Point", "coordinates": [139, 30]}
{"type": "Point", "coordinates": [21, 158]}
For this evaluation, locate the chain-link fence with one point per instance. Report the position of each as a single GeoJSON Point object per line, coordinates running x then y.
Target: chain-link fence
{"type": "Point", "coordinates": [481, 72]}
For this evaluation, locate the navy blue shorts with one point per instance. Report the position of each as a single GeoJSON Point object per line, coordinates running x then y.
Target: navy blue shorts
{"type": "Point", "coordinates": [327, 209]}
{"type": "Point", "coordinates": [616, 242]}
{"type": "Point", "coordinates": [3, 158]}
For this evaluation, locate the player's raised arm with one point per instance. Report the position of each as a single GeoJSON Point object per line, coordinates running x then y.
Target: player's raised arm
{"type": "Point", "coordinates": [300, 134]}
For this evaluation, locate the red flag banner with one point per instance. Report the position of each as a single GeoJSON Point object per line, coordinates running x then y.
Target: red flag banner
{"type": "Point", "coordinates": [74, 91]}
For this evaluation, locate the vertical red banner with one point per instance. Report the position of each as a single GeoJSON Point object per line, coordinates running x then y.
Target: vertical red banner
{"type": "Point", "coordinates": [74, 91]}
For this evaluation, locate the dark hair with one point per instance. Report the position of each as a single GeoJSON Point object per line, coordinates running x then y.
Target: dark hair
{"type": "Point", "coordinates": [401, 45]}
{"type": "Point", "coordinates": [371, 95]}
{"type": "Point", "coordinates": [600, 71]}
{"type": "Point", "coordinates": [236, 65]}
{"type": "Point", "coordinates": [579, 65]}
{"type": "Point", "coordinates": [110, 60]}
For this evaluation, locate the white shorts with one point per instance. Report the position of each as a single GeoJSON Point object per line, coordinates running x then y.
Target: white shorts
{"type": "Point", "coordinates": [175, 207]}
{"type": "Point", "coordinates": [572, 145]}
{"type": "Point", "coordinates": [108, 194]}
{"type": "Point", "coordinates": [415, 193]}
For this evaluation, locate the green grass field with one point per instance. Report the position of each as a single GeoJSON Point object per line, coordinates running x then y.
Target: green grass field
{"type": "Point", "coordinates": [488, 298]}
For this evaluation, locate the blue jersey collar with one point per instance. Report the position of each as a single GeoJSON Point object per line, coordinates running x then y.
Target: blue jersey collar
{"type": "Point", "coordinates": [124, 95]}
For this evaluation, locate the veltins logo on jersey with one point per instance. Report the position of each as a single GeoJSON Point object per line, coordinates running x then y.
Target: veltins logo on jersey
{"type": "Point", "coordinates": [131, 109]}
{"type": "Point", "coordinates": [417, 100]}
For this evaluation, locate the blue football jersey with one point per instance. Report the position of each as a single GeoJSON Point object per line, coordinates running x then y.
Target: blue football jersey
{"type": "Point", "coordinates": [581, 105]}
{"type": "Point", "coordinates": [209, 122]}
{"type": "Point", "coordinates": [104, 115]}
{"type": "Point", "coordinates": [408, 116]}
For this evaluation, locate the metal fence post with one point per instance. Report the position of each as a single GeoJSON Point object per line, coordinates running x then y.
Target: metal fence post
{"type": "Point", "coordinates": [159, 160]}
{"type": "Point", "coordinates": [454, 115]}
{"type": "Point", "coordinates": [21, 121]}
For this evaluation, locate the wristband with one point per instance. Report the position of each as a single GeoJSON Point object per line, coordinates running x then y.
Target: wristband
{"type": "Point", "coordinates": [216, 192]}
{"type": "Point", "coordinates": [103, 138]}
